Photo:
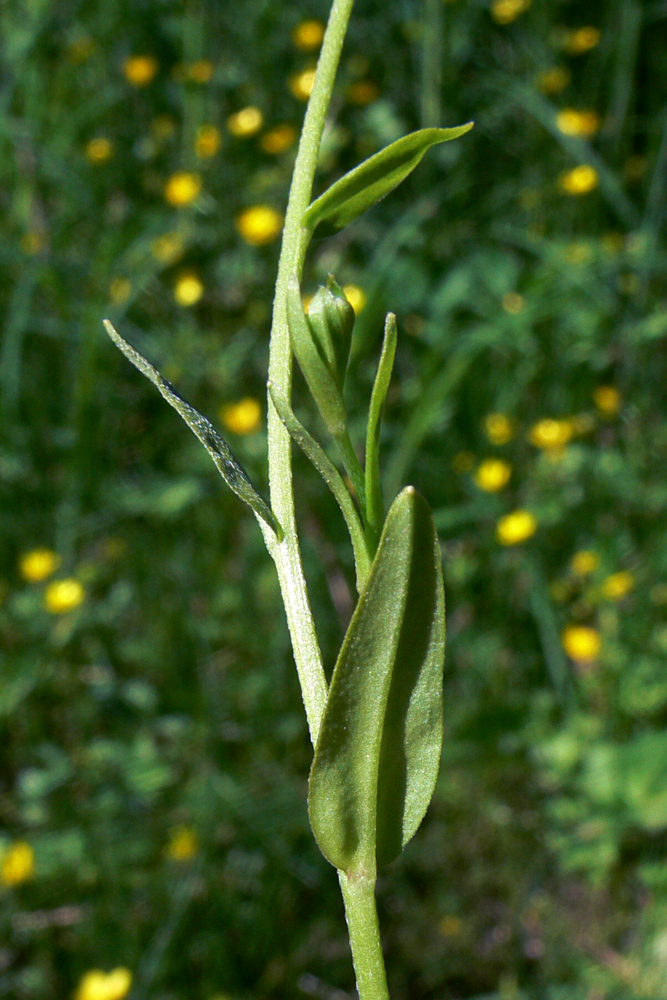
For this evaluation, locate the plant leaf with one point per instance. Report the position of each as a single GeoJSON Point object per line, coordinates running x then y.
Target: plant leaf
{"type": "Point", "coordinates": [368, 183]}
{"type": "Point", "coordinates": [378, 753]}
{"type": "Point", "coordinates": [227, 465]}
{"type": "Point", "coordinates": [374, 504]}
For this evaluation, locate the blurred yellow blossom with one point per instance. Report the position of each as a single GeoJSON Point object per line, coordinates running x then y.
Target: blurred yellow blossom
{"type": "Point", "coordinates": [259, 224]}
{"type": "Point", "coordinates": [492, 474]}
{"type": "Point", "coordinates": [513, 303]}
{"type": "Point", "coordinates": [617, 585]}
{"type": "Point", "coordinates": [183, 844]}
{"type": "Point", "coordinates": [363, 92]}
{"type": "Point", "coordinates": [243, 417]}
{"type": "Point", "coordinates": [308, 35]}
{"type": "Point", "coordinates": [550, 433]}
{"type": "Point", "coordinates": [17, 863]}
{"type": "Point", "coordinates": [182, 188]}
{"type": "Point", "coordinates": [33, 241]}
{"type": "Point", "coordinates": [188, 289]}
{"type": "Point", "coordinates": [579, 180]}
{"type": "Point", "coordinates": [579, 252]}
{"type": "Point", "coordinates": [98, 985]}
{"type": "Point", "coordinates": [278, 139]}
{"type": "Point", "coordinates": [200, 71]}
{"type": "Point", "coordinates": [581, 643]}
{"type": "Point", "coordinates": [581, 40]}
{"type": "Point", "coordinates": [517, 527]}
{"type": "Point", "coordinates": [167, 248]}
{"type": "Point", "coordinates": [63, 595]}
{"type": "Point", "coordinates": [499, 429]}
{"type": "Point", "coordinates": [463, 462]}
{"type": "Point", "coordinates": [569, 121]}
{"type": "Point", "coordinates": [355, 296]}
{"type": "Point", "coordinates": [99, 149]}
{"type": "Point", "coordinates": [301, 84]}
{"type": "Point", "coordinates": [607, 399]}
{"type": "Point", "coordinates": [584, 562]}
{"type": "Point", "coordinates": [119, 290]}
{"type": "Point", "coordinates": [38, 564]}
{"type": "Point", "coordinates": [246, 122]}
{"type": "Point", "coordinates": [553, 80]}
{"type": "Point", "coordinates": [140, 70]}
{"type": "Point", "coordinates": [506, 11]}
{"type": "Point", "coordinates": [207, 141]}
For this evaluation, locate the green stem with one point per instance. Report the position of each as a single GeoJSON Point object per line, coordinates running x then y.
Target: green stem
{"type": "Point", "coordinates": [286, 554]}
{"type": "Point", "coordinates": [364, 930]}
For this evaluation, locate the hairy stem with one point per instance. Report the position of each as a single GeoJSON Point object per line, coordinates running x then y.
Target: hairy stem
{"type": "Point", "coordinates": [364, 930]}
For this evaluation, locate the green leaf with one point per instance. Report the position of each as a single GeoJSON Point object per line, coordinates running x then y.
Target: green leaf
{"type": "Point", "coordinates": [377, 756]}
{"type": "Point", "coordinates": [368, 183]}
{"type": "Point", "coordinates": [227, 465]}
{"type": "Point", "coordinates": [374, 504]}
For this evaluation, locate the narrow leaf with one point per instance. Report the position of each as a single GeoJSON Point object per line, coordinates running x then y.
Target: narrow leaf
{"type": "Point", "coordinates": [374, 504]}
{"type": "Point", "coordinates": [226, 464]}
{"type": "Point", "coordinates": [378, 752]}
{"type": "Point", "coordinates": [368, 183]}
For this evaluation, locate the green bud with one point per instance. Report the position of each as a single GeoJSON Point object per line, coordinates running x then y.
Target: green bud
{"type": "Point", "coordinates": [331, 319]}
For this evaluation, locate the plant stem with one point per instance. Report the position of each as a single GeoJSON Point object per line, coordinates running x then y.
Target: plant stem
{"type": "Point", "coordinates": [364, 930]}
{"type": "Point", "coordinates": [286, 554]}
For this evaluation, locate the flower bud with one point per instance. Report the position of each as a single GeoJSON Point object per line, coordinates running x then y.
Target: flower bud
{"type": "Point", "coordinates": [331, 319]}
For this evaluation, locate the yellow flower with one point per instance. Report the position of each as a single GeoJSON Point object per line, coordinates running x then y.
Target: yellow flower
{"type": "Point", "coordinates": [98, 985]}
{"type": "Point", "coordinates": [259, 225]}
{"type": "Point", "coordinates": [99, 150]}
{"type": "Point", "coordinates": [581, 643]}
{"type": "Point", "coordinates": [140, 70]}
{"type": "Point", "coordinates": [607, 399]}
{"type": "Point", "coordinates": [18, 863]}
{"type": "Point", "coordinates": [120, 290]}
{"type": "Point", "coordinates": [492, 475]}
{"type": "Point", "coordinates": [183, 844]}
{"type": "Point", "coordinates": [188, 289]}
{"type": "Point", "coordinates": [207, 141]}
{"type": "Point", "coordinates": [182, 188]}
{"type": "Point", "coordinates": [550, 433]}
{"type": "Point", "coordinates": [498, 428]}
{"type": "Point", "coordinates": [363, 92]}
{"type": "Point", "coordinates": [63, 595]}
{"type": "Point", "coordinates": [278, 139]}
{"type": "Point", "coordinates": [463, 462]}
{"type": "Point", "coordinates": [584, 562]}
{"type": "Point", "coordinates": [200, 71]}
{"type": "Point", "coordinates": [243, 417]}
{"type": "Point", "coordinates": [579, 252]}
{"type": "Point", "coordinates": [579, 180]}
{"type": "Point", "coordinates": [581, 40]}
{"type": "Point", "coordinates": [246, 122]}
{"type": "Point", "coordinates": [617, 585]}
{"type": "Point", "coordinates": [517, 527]}
{"type": "Point", "coordinates": [552, 81]}
{"type": "Point", "coordinates": [167, 248]}
{"type": "Point", "coordinates": [301, 84]}
{"type": "Point", "coordinates": [355, 296]}
{"type": "Point", "coordinates": [308, 35]}
{"type": "Point", "coordinates": [505, 11]}
{"type": "Point", "coordinates": [513, 303]}
{"type": "Point", "coordinates": [37, 564]}
{"type": "Point", "coordinates": [572, 122]}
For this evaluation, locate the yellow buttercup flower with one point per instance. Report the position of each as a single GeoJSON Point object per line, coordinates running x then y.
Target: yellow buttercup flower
{"type": "Point", "coordinates": [188, 289]}
{"type": "Point", "coordinates": [492, 474]}
{"type": "Point", "coordinates": [499, 429]}
{"type": "Point", "coordinates": [183, 844]}
{"type": "Point", "coordinates": [246, 122]}
{"type": "Point", "coordinates": [513, 303]}
{"type": "Point", "coordinates": [616, 586]}
{"type": "Point", "coordinates": [259, 224]}
{"type": "Point", "coordinates": [579, 180]}
{"type": "Point", "coordinates": [140, 70]}
{"type": "Point", "coordinates": [581, 643]}
{"type": "Point", "coordinates": [584, 562]}
{"type": "Point", "coordinates": [553, 80]}
{"type": "Point", "coordinates": [607, 399]}
{"type": "Point", "coordinates": [120, 290]}
{"type": "Point", "coordinates": [582, 123]}
{"type": "Point", "coordinates": [207, 141]}
{"type": "Point", "coordinates": [506, 11]}
{"type": "Point", "coordinates": [167, 248]}
{"type": "Point", "coordinates": [550, 434]}
{"type": "Point", "coordinates": [363, 92]}
{"type": "Point", "coordinates": [182, 188]}
{"type": "Point", "coordinates": [63, 595]}
{"type": "Point", "coordinates": [355, 296]}
{"type": "Point", "coordinates": [301, 84]}
{"type": "Point", "coordinates": [278, 139]}
{"type": "Point", "coordinates": [99, 150]}
{"type": "Point", "coordinates": [17, 863]}
{"type": "Point", "coordinates": [517, 527]}
{"type": "Point", "coordinates": [308, 35]}
{"type": "Point", "coordinates": [200, 71]}
{"type": "Point", "coordinates": [582, 40]}
{"type": "Point", "coordinates": [98, 985]}
{"type": "Point", "coordinates": [38, 564]}
{"type": "Point", "coordinates": [243, 417]}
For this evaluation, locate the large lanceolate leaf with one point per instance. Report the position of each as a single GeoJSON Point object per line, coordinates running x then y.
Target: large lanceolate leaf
{"type": "Point", "coordinates": [368, 183]}
{"type": "Point", "coordinates": [378, 752]}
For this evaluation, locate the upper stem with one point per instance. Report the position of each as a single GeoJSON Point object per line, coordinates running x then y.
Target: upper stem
{"type": "Point", "coordinates": [364, 931]}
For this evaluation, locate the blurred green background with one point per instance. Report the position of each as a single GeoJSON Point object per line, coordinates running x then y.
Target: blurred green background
{"type": "Point", "coordinates": [154, 840]}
